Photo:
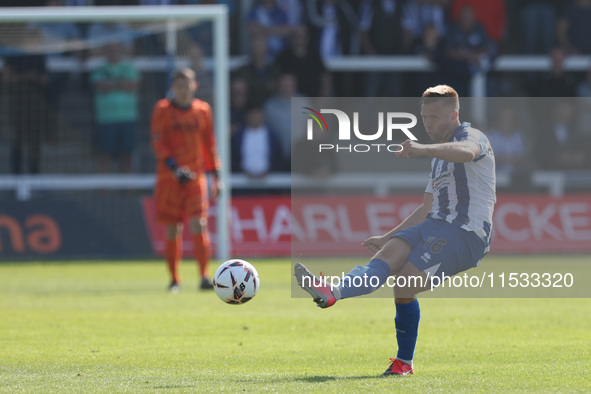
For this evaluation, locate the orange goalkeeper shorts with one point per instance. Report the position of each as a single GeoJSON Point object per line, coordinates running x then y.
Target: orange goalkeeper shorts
{"type": "Point", "coordinates": [176, 202]}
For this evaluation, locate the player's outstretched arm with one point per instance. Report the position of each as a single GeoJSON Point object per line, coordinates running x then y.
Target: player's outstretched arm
{"type": "Point", "coordinates": [457, 151]}
{"type": "Point", "coordinates": [418, 216]}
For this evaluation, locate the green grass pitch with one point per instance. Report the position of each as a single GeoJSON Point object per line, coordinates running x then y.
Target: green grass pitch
{"type": "Point", "coordinates": [112, 327]}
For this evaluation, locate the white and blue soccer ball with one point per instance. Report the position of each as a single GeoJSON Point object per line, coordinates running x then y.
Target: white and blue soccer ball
{"type": "Point", "coordinates": [236, 281]}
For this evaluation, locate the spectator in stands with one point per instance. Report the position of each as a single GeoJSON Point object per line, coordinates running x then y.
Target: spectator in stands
{"type": "Point", "coordinates": [427, 15]}
{"type": "Point", "coordinates": [55, 38]}
{"type": "Point", "coordinates": [260, 73]}
{"type": "Point", "coordinates": [305, 64]}
{"type": "Point", "coordinates": [584, 105]}
{"type": "Point", "coordinates": [508, 143]}
{"type": "Point", "coordinates": [278, 113]}
{"type": "Point", "coordinates": [430, 48]}
{"type": "Point", "coordinates": [256, 150]}
{"type": "Point", "coordinates": [238, 104]}
{"type": "Point", "coordinates": [491, 14]}
{"type": "Point", "coordinates": [574, 28]}
{"type": "Point", "coordinates": [78, 3]}
{"type": "Point", "coordinates": [560, 145]}
{"type": "Point", "coordinates": [429, 45]}
{"type": "Point", "coordinates": [333, 29]}
{"type": "Point", "coordinates": [116, 108]}
{"type": "Point", "coordinates": [538, 22]}
{"type": "Point", "coordinates": [294, 11]}
{"type": "Point", "coordinates": [266, 19]}
{"type": "Point", "coordinates": [386, 28]}
{"type": "Point", "coordinates": [203, 76]}
{"type": "Point", "coordinates": [466, 51]}
{"type": "Point", "coordinates": [25, 79]}
{"type": "Point", "coordinates": [430, 27]}
{"type": "Point", "coordinates": [556, 83]}
{"type": "Point", "coordinates": [202, 33]}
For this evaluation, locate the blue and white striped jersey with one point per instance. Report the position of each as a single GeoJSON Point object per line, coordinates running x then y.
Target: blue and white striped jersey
{"type": "Point", "coordinates": [464, 193]}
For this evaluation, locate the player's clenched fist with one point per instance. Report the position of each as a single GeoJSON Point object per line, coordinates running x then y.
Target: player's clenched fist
{"type": "Point", "coordinates": [409, 149]}
{"type": "Point", "coordinates": [374, 244]}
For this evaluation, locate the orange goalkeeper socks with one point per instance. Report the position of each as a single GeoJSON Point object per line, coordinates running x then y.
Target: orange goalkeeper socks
{"type": "Point", "coordinates": [202, 247]}
{"type": "Point", "coordinates": [173, 253]}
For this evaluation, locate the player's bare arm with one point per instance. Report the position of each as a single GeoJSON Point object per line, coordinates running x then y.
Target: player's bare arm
{"type": "Point", "coordinates": [457, 152]}
{"type": "Point", "coordinates": [375, 243]}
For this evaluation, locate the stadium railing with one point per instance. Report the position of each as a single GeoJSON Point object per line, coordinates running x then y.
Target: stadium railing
{"type": "Point", "coordinates": [522, 63]}
{"type": "Point", "coordinates": [518, 63]}
{"type": "Point", "coordinates": [556, 182]}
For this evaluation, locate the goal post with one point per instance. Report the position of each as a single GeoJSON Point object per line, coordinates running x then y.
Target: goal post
{"type": "Point", "coordinates": [217, 14]}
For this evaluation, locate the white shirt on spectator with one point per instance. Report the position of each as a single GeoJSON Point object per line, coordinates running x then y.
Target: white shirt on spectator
{"type": "Point", "coordinates": [389, 7]}
{"type": "Point", "coordinates": [507, 145]}
{"type": "Point", "coordinates": [329, 38]}
{"type": "Point", "coordinates": [255, 151]}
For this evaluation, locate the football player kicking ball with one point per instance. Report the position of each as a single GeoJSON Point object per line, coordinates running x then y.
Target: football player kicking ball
{"type": "Point", "coordinates": [184, 145]}
{"type": "Point", "coordinates": [449, 233]}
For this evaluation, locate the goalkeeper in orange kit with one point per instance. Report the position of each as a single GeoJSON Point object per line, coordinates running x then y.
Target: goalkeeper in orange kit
{"type": "Point", "coordinates": [184, 145]}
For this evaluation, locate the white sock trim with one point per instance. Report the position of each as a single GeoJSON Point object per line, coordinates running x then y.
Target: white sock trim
{"type": "Point", "coordinates": [336, 292]}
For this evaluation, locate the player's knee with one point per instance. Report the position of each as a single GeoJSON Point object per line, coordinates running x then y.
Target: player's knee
{"type": "Point", "coordinates": [410, 282]}
{"type": "Point", "coordinates": [405, 293]}
{"type": "Point", "coordinates": [198, 225]}
{"type": "Point", "coordinates": [404, 289]}
{"type": "Point", "coordinates": [173, 230]}
{"type": "Point", "coordinates": [395, 252]}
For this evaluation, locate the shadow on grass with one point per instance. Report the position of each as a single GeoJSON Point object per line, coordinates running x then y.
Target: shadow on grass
{"type": "Point", "coordinates": [310, 379]}
{"type": "Point", "coordinates": [321, 379]}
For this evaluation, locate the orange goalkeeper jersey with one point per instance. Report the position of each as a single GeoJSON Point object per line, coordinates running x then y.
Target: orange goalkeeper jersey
{"type": "Point", "coordinates": [186, 134]}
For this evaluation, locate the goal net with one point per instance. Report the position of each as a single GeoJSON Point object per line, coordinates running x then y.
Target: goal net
{"type": "Point", "coordinates": [78, 87]}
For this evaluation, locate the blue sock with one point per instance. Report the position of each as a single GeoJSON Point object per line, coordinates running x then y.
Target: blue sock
{"type": "Point", "coordinates": [365, 279]}
{"type": "Point", "coordinates": [407, 329]}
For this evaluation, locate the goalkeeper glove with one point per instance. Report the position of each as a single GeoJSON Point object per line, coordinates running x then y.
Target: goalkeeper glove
{"type": "Point", "coordinates": [182, 174]}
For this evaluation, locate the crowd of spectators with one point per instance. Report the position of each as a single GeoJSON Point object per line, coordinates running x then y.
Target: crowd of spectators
{"type": "Point", "coordinates": [287, 43]}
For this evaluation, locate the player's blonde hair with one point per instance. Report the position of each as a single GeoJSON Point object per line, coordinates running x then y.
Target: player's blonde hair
{"type": "Point", "coordinates": [184, 73]}
{"type": "Point", "coordinates": [441, 92]}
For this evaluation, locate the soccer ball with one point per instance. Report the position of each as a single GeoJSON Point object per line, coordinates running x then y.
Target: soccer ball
{"type": "Point", "coordinates": [236, 281]}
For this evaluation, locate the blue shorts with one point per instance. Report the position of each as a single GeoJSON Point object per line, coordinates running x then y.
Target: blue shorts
{"type": "Point", "coordinates": [439, 247]}
{"type": "Point", "coordinates": [116, 139]}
